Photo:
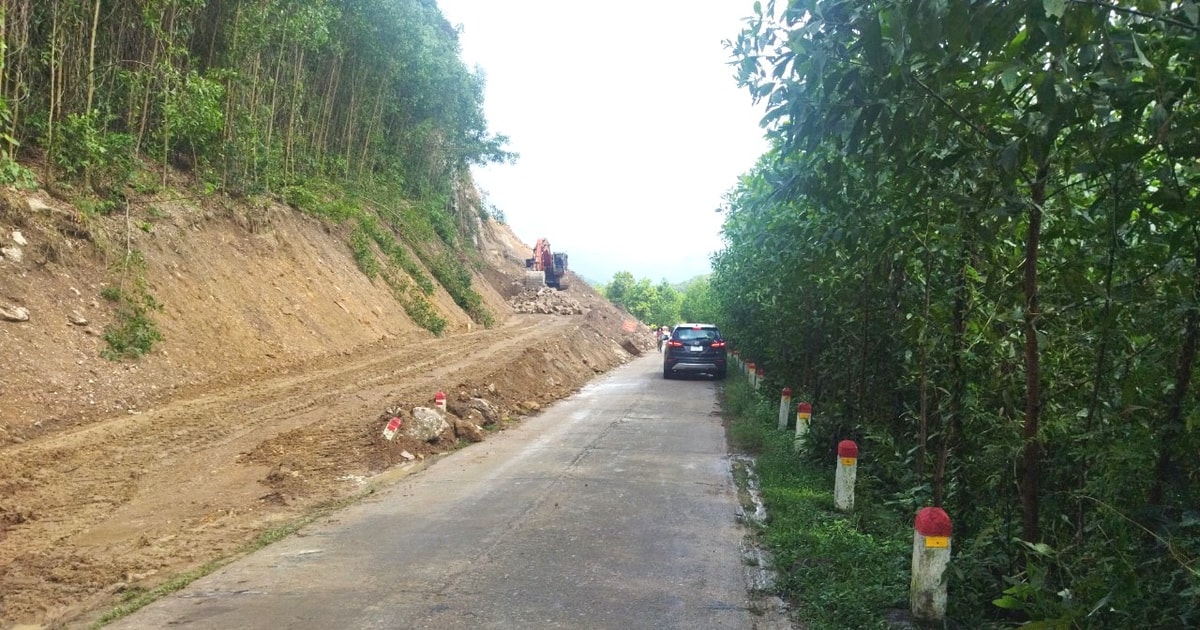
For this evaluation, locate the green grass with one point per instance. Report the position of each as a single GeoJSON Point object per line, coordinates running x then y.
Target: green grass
{"type": "Point", "coordinates": [838, 570]}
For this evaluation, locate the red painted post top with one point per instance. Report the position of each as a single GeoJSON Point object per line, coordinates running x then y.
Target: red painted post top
{"type": "Point", "coordinates": [751, 364]}
{"type": "Point", "coordinates": [804, 407]}
{"type": "Point", "coordinates": [759, 371]}
{"type": "Point", "coordinates": [933, 521]}
{"type": "Point", "coordinates": [787, 392]}
{"type": "Point", "coordinates": [439, 397]}
{"type": "Point", "coordinates": [847, 448]}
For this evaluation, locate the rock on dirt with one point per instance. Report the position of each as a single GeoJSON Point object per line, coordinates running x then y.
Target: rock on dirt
{"type": "Point", "coordinates": [476, 410]}
{"type": "Point", "coordinates": [12, 313]}
{"type": "Point", "coordinates": [466, 430]}
{"type": "Point", "coordinates": [426, 425]}
{"type": "Point", "coordinates": [545, 301]}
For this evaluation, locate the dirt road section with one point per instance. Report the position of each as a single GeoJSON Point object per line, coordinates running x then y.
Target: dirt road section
{"type": "Point", "coordinates": [115, 478]}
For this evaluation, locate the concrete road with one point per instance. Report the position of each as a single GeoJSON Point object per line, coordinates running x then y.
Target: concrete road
{"type": "Point", "coordinates": [612, 509]}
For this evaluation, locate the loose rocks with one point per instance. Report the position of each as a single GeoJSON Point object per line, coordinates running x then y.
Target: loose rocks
{"type": "Point", "coordinates": [14, 313]}
{"type": "Point", "coordinates": [545, 301]}
{"type": "Point", "coordinates": [427, 425]}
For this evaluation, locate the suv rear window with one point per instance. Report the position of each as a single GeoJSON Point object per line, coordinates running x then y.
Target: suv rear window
{"type": "Point", "coordinates": [693, 334]}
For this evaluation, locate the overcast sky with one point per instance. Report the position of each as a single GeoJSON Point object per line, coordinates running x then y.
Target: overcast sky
{"type": "Point", "coordinates": [628, 120]}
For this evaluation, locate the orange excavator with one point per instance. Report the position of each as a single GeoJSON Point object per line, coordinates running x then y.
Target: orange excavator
{"type": "Point", "coordinates": [546, 268]}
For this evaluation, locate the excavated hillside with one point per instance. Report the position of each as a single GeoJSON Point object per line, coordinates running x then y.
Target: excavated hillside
{"type": "Point", "coordinates": [265, 401]}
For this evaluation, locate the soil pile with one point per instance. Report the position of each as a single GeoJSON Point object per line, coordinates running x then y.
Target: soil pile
{"type": "Point", "coordinates": [267, 397]}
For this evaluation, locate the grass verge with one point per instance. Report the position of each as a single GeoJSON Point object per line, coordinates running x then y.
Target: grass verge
{"type": "Point", "coordinates": [836, 570]}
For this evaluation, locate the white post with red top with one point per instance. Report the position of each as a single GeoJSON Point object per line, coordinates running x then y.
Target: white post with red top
{"type": "Point", "coordinates": [930, 557]}
{"type": "Point", "coordinates": [392, 427]}
{"type": "Point", "coordinates": [803, 417]}
{"type": "Point", "coordinates": [758, 377]}
{"type": "Point", "coordinates": [785, 408]}
{"type": "Point", "coordinates": [847, 473]}
{"type": "Point", "coordinates": [750, 373]}
{"type": "Point", "coordinates": [439, 401]}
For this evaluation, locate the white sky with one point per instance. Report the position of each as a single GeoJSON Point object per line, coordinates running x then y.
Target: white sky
{"type": "Point", "coordinates": [628, 120]}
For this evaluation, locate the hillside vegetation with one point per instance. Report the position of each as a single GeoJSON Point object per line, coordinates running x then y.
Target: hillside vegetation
{"type": "Point", "coordinates": [357, 111]}
{"type": "Point", "coordinates": [975, 248]}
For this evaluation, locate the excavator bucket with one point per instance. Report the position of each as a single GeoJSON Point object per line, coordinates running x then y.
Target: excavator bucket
{"type": "Point", "coordinates": [535, 279]}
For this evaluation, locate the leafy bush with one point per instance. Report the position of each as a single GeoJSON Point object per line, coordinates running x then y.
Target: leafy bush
{"type": "Point", "coordinates": [83, 149]}
{"type": "Point", "coordinates": [364, 255]}
{"type": "Point", "coordinates": [424, 314]}
{"type": "Point", "coordinates": [193, 113]}
{"type": "Point", "coordinates": [455, 277]}
{"type": "Point", "coordinates": [395, 252]}
{"type": "Point", "coordinates": [416, 306]}
{"type": "Point", "coordinates": [13, 174]}
{"type": "Point", "coordinates": [134, 333]}
{"type": "Point", "coordinates": [321, 200]}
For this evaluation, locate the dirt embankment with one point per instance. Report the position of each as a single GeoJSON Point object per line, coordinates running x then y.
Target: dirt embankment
{"type": "Point", "coordinates": [279, 366]}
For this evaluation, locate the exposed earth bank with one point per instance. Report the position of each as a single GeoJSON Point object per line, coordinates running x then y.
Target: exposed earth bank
{"type": "Point", "coordinates": [266, 400]}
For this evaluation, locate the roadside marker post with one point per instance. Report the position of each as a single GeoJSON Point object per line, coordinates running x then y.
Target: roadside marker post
{"type": "Point", "coordinates": [758, 378]}
{"type": "Point", "coordinates": [847, 472]}
{"type": "Point", "coordinates": [930, 557]}
{"type": "Point", "coordinates": [750, 373]}
{"type": "Point", "coordinates": [439, 401]}
{"type": "Point", "coordinates": [785, 408]}
{"type": "Point", "coordinates": [392, 427]}
{"type": "Point", "coordinates": [803, 417]}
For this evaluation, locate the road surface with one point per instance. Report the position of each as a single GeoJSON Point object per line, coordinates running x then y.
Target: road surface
{"type": "Point", "coordinates": [614, 508]}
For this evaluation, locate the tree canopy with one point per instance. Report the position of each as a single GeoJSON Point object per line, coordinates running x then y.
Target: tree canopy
{"type": "Point", "coordinates": [663, 304]}
{"type": "Point", "coordinates": [975, 247]}
{"type": "Point", "coordinates": [256, 96]}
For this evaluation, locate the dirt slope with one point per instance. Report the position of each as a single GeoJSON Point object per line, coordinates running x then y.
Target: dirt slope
{"type": "Point", "coordinates": [279, 366]}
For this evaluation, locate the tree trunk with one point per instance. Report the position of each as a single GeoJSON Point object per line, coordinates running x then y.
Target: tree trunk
{"type": "Point", "coordinates": [952, 429]}
{"type": "Point", "coordinates": [1031, 457]}
{"type": "Point", "coordinates": [91, 73]}
{"type": "Point", "coordinates": [1173, 422]}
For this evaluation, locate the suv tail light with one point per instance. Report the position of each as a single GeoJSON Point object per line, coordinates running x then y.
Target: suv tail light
{"type": "Point", "coordinates": [674, 343]}
{"type": "Point", "coordinates": [718, 344]}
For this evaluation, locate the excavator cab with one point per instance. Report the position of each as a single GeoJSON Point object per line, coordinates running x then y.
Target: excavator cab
{"type": "Point", "coordinates": [546, 268]}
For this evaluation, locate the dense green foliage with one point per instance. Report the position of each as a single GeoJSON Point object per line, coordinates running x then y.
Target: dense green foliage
{"type": "Point", "coordinates": [342, 108]}
{"type": "Point", "coordinates": [663, 304]}
{"type": "Point", "coordinates": [976, 248]}
{"type": "Point", "coordinates": [257, 96]}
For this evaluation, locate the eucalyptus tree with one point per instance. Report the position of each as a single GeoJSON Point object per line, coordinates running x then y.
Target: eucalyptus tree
{"type": "Point", "coordinates": [978, 226]}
